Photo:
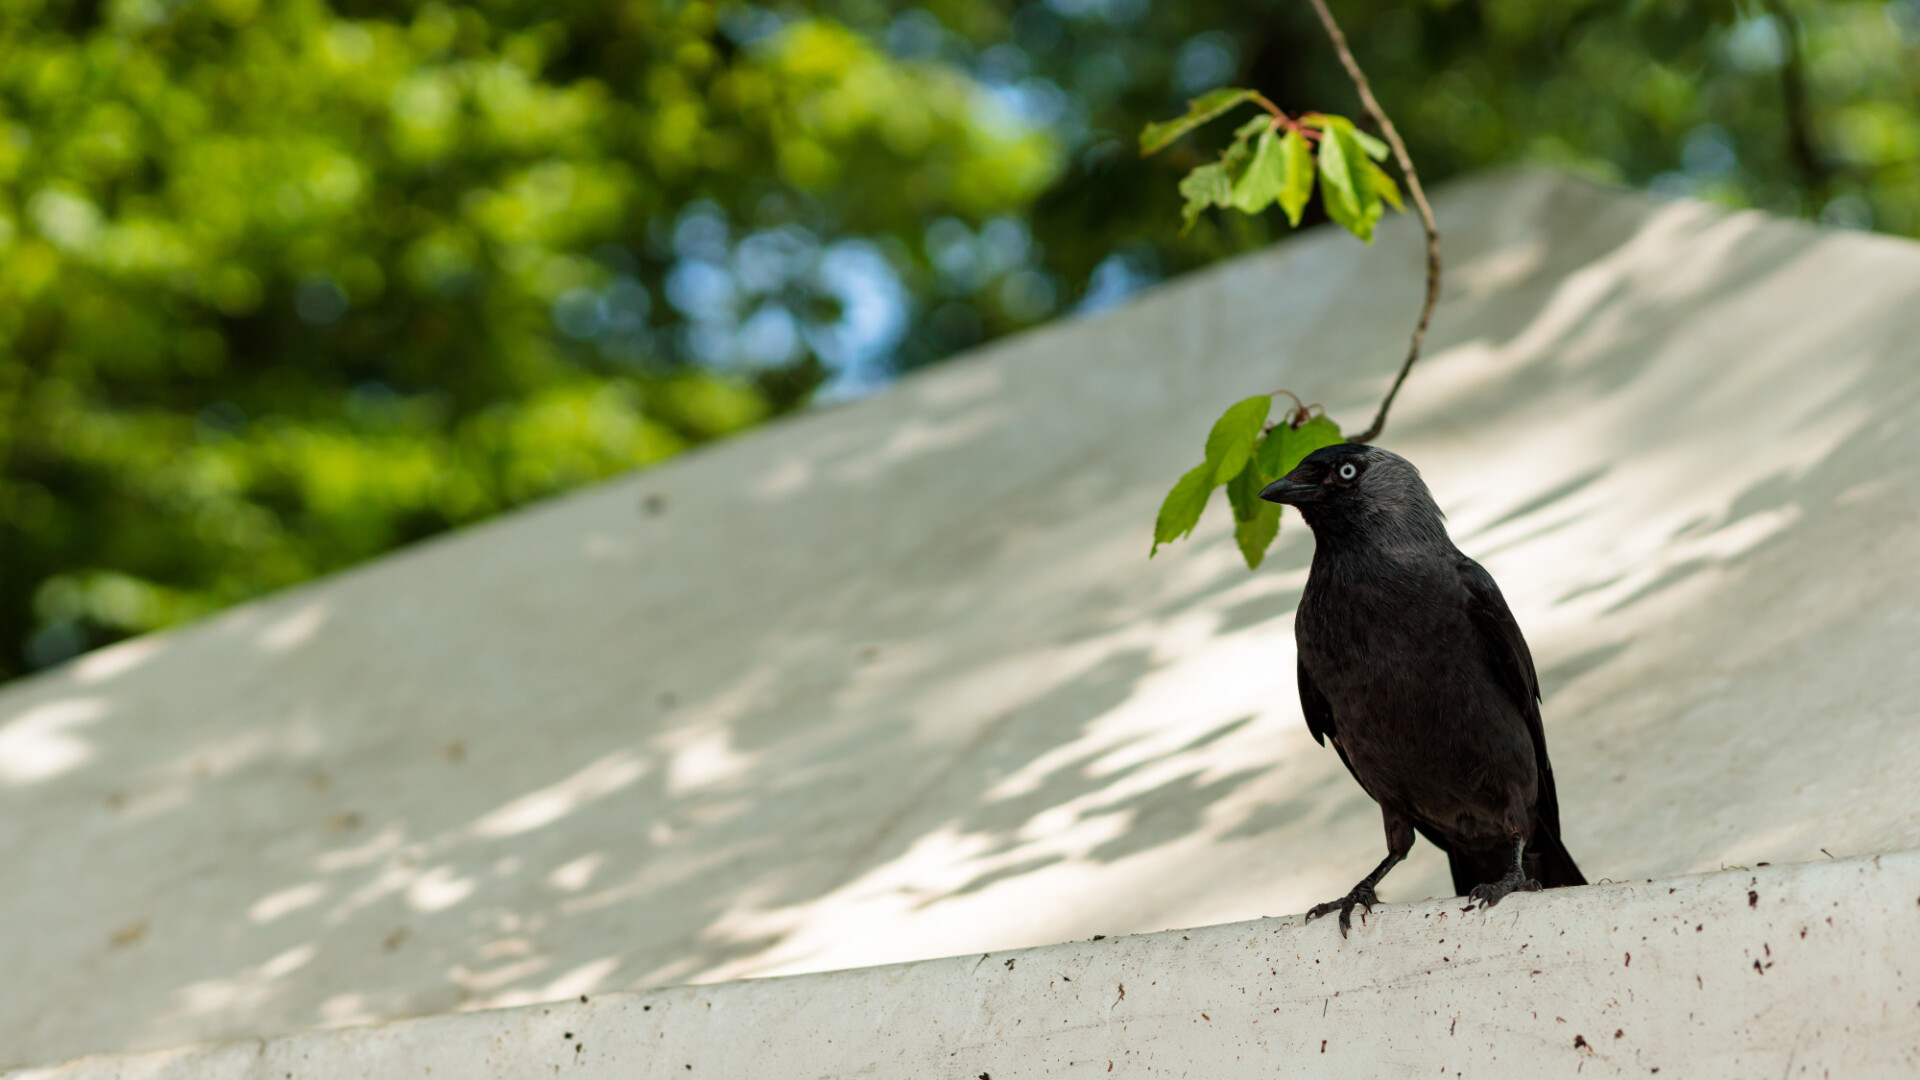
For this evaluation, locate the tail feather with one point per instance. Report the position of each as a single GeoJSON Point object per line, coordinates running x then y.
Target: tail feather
{"type": "Point", "coordinates": [1556, 867]}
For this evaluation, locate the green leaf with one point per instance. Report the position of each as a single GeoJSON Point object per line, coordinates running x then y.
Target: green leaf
{"type": "Point", "coordinates": [1255, 536]}
{"type": "Point", "coordinates": [1296, 183]}
{"type": "Point", "coordinates": [1336, 176]}
{"type": "Point", "coordinates": [1362, 225]}
{"type": "Point", "coordinates": [1374, 148]}
{"type": "Point", "coordinates": [1255, 522]}
{"type": "Point", "coordinates": [1265, 178]}
{"type": "Point", "coordinates": [1305, 439]}
{"type": "Point", "coordinates": [1229, 461]}
{"type": "Point", "coordinates": [1285, 447]}
{"type": "Point", "coordinates": [1180, 510]}
{"type": "Point", "coordinates": [1247, 131]}
{"type": "Point", "coordinates": [1350, 200]}
{"type": "Point", "coordinates": [1271, 452]}
{"type": "Point", "coordinates": [1230, 442]}
{"type": "Point", "coordinates": [1156, 136]}
{"type": "Point", "coordinates": [1239, 152]}
{"type": "Point", "coordinates": [1203, 187]}
{"type": "Point", "coordinates": [1243, 492]}
{"type": "Point", "coordinates": [1382, 183]}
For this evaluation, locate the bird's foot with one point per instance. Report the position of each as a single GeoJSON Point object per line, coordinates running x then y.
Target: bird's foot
{"type": "Point", "coordinates": [1490, 893]}
{"type": "Point", "coordinates": [1361, 897]}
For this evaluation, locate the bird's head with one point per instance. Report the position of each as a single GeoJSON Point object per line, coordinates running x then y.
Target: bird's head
{"type": "Point", "coordinates": [1353, 490]}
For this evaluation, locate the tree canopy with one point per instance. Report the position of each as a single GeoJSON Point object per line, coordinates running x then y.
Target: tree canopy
{"type": "Point", "coordinates": [284, 285]}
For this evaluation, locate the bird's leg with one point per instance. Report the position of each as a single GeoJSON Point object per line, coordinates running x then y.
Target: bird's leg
{"type": "Point", "coordinates": [1399, 842]}
{"type": "Point", "coordinates": [1361, 896]}
{"type": "Point", "coordinates": [1489, 893]}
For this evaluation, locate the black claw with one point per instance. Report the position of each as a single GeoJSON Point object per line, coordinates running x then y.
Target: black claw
{"type": "Point", "coordinates": [1361, 897]}
{"type": "Point", "coordinates": [1490, 893]}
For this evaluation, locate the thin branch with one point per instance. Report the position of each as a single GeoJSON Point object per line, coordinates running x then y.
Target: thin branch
{"type": "Point", "coordinates": [1419, 200]}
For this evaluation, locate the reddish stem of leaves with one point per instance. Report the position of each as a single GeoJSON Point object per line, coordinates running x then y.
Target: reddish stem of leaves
{"type": "Point", "coordinates": [1282, 120]}
{"type": "Point", "coordinates": [1294, 417]}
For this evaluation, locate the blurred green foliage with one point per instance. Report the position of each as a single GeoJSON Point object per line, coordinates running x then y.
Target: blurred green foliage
{"type": "Point", "coordinates": [286, 284]}
{"type": "Point", "coordinates": [283, 286]}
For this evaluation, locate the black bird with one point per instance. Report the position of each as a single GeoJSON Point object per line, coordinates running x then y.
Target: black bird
{"type": "Point", "coordinates": [1412, 665]}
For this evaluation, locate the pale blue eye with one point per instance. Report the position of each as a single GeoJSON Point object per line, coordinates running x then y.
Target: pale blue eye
{"type": "Point", "coordinates": [1348, 472]}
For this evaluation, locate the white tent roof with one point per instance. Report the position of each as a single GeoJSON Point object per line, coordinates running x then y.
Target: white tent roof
{"type": "Point", "coordinates": [896, 679]}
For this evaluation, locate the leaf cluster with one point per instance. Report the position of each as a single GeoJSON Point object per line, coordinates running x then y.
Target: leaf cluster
{"type": "Point", "coordinates": [1243, 455]}
{"type": "Point", "coordinates": [1274, 159]}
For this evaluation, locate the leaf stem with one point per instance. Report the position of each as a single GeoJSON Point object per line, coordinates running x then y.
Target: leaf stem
{"type": "Point", "coordinates": [1281, 119]}
{"type": "Point", "coordinates": [1400, 155]}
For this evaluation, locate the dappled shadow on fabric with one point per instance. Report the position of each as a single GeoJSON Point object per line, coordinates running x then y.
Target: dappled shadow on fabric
{"type": "Point", "coordinates": [356, 822]}
{"type": "Point", "coordinates": [897, 680]}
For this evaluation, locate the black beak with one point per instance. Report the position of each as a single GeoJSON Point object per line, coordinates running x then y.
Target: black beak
{"type": "Point", "coordinates": [1287, 492]}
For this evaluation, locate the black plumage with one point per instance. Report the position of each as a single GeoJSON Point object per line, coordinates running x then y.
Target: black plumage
{"type": "Point", "coordinates": [1412, 667]}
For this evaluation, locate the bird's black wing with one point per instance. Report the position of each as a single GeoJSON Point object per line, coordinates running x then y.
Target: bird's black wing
{"type": "Point", "coordinates": [1512, 665]}
{"type": "Point", "coordinates": [1319, 714]}
{"type": "Point", "coordinates": [1314, 703]}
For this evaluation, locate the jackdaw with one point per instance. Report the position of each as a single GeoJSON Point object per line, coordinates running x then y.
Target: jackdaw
{"type": "Point", "coordinates": [1411, 664]}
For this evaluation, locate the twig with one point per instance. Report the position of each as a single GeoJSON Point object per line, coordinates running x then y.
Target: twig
{"type": "Point", "coordinates": [1419, 200]}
